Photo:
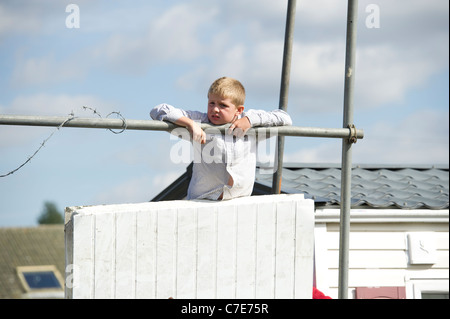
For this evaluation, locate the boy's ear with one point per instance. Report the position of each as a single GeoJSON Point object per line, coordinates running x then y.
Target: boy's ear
{"type": "Point", "coordinates": [240, 109]}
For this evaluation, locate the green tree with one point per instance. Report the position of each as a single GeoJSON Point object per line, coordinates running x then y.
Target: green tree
{"type": "Point", "coordinates": [50, 215]}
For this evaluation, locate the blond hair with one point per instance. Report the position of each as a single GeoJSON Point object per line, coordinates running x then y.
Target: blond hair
{"type": "Point", "coordinates": [228, 88]}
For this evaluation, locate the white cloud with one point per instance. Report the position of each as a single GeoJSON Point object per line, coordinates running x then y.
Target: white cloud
{"type": "Point", "coordinates": [398, 57]}
{"type": "Point", "coordinates": [324, 152]}
{"type": "Point", "coordinates": [131, 191]}
{"type": "Point", "coordinates": [25, 18]}
{"type": "Point", "coordinates": [137, 190]}
{"type": "Point", "coordinates": [56, 105]}
{"type": "Point", "coordinates": [161, 181]}
{"type": "Point", "coordinates": [172, 37]}
{"type": "Point", "coordinates": [45, 71]}
{"type": "Point", "coordinates": [322, 12]}
{"type": "Point", "coordinates": [155, 151]}
{"type": "Point", "coordinates": [16, 21]}
{"type": "Point", "coordinates": [47, 105]}
{"type": "Point", "coordinates": [420, 138]}
{"type": "Point", "coordinates": [237, 38]}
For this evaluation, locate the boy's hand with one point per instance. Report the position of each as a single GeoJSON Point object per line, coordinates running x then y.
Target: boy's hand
{"type": "Point", "coordinates": [239, 127]}
{"type": "Point", "coordinates": [198, 135]}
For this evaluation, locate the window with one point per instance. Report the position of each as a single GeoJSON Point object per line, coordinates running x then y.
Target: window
{"type": "Point", "coordinates": [40, 278]}
{"type": "Point", "coordinates": [427, 288]}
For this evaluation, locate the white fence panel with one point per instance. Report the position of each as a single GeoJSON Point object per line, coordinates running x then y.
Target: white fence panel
{"type": "Point", "coordinates": [253, 247]}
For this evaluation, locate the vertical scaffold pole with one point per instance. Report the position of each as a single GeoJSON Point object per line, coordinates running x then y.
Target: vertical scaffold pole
{"type": "Point", "coordinates": [346, 170]}
{"type": "Point", "coordinates": [284, 90]}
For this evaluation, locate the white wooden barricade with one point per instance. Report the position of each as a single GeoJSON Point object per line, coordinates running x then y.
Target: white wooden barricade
{"type": "Point", "coordinates": [253, 247]}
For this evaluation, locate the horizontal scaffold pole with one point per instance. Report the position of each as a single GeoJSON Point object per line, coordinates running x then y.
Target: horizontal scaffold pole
{"type": "Point", "coordinates": [151, 125]}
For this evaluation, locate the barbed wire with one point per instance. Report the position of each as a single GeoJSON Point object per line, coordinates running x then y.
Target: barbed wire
{"type": "Point", "coordinates": [124, 122]}
{"type": "Point", "coordinates": [70, 118]}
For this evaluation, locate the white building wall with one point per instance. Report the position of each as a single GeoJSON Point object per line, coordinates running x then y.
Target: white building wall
{"type": "Point", "coordinates": [379, 253]}
{"type": "Point", "coordinates": [253, 247]}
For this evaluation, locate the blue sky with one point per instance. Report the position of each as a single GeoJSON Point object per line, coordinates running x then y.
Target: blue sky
{"type": "Point", "coordinates": [130, 56]}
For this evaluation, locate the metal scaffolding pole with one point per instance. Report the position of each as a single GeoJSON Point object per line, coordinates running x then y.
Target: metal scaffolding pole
{"type": "Point", "coordinates": [151, 125]}
{"type": "Point", "coordinates": [346, 171]}
{"type": "Point", "coordinates": [284, 91]}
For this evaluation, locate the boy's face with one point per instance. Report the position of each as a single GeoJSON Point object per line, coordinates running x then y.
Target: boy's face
{"type": "Point", "coordinates": [222, 110]}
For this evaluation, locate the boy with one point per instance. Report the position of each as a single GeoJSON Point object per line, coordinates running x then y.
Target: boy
{"type": "Point", "coordinates": [230, 171]}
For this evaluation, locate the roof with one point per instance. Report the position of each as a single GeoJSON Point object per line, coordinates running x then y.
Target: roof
{"type": "Point", "coordinates": [375, 186]}
{"type": "Point", "coordinates": [34, 246]}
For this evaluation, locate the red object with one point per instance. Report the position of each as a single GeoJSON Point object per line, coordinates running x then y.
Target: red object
{"type": "Point", "coordinates": [317, 294]}
{"type": "Point", "coordinates": [380, 293]}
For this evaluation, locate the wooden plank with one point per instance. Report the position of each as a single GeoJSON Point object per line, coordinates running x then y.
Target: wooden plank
{"type": "Point", "coordinates": [125, 255]}
{"type": "Point", "coordinates": [371, 240]}
{"type": "Point", "coordinates": [166, 254]}
{"type": "Point", "coordinates": [265, 250]}
{"type": "Point", "coordinates": [104, 256]}
{"type": "Point", "coordinates": [371, 259]}
{"type": "Point", "coordinates": [285, 250]}
{"type": "Point", "coordinates": [206, 252]}
{"type": "Point", "coordinates": [146, 254]}
{"type": "Point", "coordinates": [384, 239]}
{"type": "Point", "coordinates": [245, 254]}
{"type": "Point", "coordinates": [83, 257]}
{"type": "Point", "coordinates": [391, 227]}
{"type": "Point", "coordinates": [383, 277]}
{"type": "Point", "coordinates": [226, 252]}
{"type": "Point", "coordinates": [304, 249]}
{"type": "Point", "coordinates": [186, 285]}
{"type": "Point", "coordinates": [383, 259]}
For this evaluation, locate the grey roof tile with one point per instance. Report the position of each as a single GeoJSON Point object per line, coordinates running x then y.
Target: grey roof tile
{"type": "Point", "coordinates": [383, 187]}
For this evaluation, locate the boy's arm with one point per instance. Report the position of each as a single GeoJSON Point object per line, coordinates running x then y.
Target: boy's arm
{"type": "Point", "coordinates": [253, 118]}
{"type": "Point", "coordinates": [239, 127]}
{"type": "Point", "coordinates": [166, 112]}
{"type": "Point", "coordinates": [264, 118]}
{"type": "Point", "coordinates": [198, 135]}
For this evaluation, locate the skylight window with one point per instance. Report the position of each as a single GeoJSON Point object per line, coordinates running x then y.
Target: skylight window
{"type": "Point", "coordinates": [39, 278]}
